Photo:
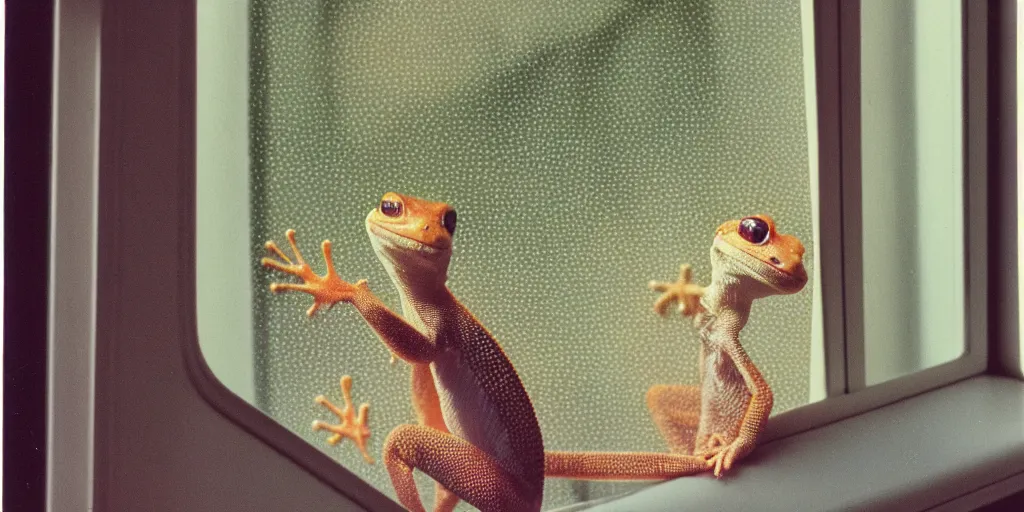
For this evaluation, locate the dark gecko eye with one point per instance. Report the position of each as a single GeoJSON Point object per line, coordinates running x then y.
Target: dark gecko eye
{"type": "Point", "coordinates": [754, 230]}
{"type": "Point", "coordinates": [391, 208]}
{"type": "Point", "coordinates": [449, 221]}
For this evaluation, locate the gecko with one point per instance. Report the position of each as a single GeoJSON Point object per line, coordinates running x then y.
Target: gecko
{"type": "Point", "coordinates": [720, 419]}
{"type": "Point", "coordinates": [478, 435]}
{"type": "Point", "coordinates": [750, 260]}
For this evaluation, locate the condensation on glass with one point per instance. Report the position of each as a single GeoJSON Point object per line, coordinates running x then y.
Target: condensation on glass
{"type": "Point", "coordinates": [913, 186]}
{"type": "Point", "coordinates": [587, 151]}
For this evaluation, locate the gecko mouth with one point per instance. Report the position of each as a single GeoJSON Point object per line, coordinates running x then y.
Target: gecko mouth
{"type": "Point", "coordinates": [773, 277]}
{"type": "Point", "coordinates": [396, 241]}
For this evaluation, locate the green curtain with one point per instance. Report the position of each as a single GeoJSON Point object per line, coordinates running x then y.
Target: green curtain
{"type": "Point", "coordinates": [587, 151]}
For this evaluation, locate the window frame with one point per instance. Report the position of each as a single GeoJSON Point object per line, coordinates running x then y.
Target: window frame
{"type": "Point", "coordinates": [837, 54]}
{"type": "Point", "coordinates": [1001, 151]}
{"type": "Point", "coordinates": [836, 33]}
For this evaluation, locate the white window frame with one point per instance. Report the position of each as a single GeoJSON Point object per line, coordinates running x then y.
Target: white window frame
{"type": "Point", "coordinates": [837, 53]}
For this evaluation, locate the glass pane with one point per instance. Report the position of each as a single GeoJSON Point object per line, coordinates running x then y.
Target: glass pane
{"type": "Point", "coordinates": [587, 150]}
{"type": "Point", "coordinates": [912, 165]}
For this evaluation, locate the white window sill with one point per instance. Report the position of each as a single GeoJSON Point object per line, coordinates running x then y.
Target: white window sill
{"type": "Point", "coordinates": [957, 447]}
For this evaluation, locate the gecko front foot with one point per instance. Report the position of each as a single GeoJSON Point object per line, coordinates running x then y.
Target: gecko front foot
{"type": "Point", "coordinates": [682, 291]}
{"type": "Point", "coordinates": [327, 290]}
{"type": "Point", "coordinates": [354, 427]}
{"type": "Point", "coordinates": [722, 455]}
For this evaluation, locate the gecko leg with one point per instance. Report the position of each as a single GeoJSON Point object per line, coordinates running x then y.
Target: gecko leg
{"type": "Point", "coordinates": [458, 465]}
{"type": "Point", "coordinates": [427, 406]}
{"type": "Point", "coordinates": [444, 500]}
{"type": "Point", "coordinates": [675, 410]}
{"type": "Point", "coordinates": [725, 450]}
{"type": "Point", "coordinates": [354, 427]}
{"type": "Point", "coordinates": [683, 291]}
{"type": "Point", "coordinates": [327, 290]}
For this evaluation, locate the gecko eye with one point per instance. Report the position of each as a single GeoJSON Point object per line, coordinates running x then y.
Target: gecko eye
{"type": "Point", "coordinates": [449, 221]}
{"type": "Point", "coordinates": [391, 208]}
{"type": "Point", "coordinates": [754, 230]}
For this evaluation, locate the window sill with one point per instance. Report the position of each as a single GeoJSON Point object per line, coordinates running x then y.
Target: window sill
{"type": "Point", "coordinates": [957, 447]}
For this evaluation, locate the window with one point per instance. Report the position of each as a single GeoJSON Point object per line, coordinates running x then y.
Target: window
{"type": "Point", "coordinates": [135, 422]}
{"type": "Point", "coordinates": [588, 151]}
{"type": "Point", "coordinates": [912, 177]}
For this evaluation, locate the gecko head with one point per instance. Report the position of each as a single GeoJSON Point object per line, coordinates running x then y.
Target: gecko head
{"type": "Point", "coordinates": [752, 246]}
{"type": "Point", "coordinates": [413, 235]}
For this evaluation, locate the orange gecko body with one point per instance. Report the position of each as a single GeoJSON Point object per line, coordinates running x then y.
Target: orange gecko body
{"type": "Point", "coordinates": [712, 425]}
{"type": "Point", "coordinates": [478, 435]}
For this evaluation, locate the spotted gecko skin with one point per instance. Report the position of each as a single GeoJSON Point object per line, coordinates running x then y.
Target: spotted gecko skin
{"type": "Point", "coordinates": [478, 435]}
{"type": "Point", "coordinates": [712, 425]}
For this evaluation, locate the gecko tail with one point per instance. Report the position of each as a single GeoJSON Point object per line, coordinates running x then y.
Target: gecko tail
{"type": "Point", "coordinates": [621, 465]}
